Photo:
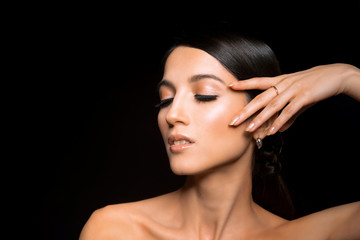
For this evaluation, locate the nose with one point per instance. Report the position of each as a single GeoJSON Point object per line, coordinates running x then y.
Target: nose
{"type": "Point", "coordinates": [178, 112]}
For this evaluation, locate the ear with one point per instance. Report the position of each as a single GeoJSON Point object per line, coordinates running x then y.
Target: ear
{"type": "Point", "coordinates": [261, 131]}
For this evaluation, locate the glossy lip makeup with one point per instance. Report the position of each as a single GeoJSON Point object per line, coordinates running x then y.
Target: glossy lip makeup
{"type": "Point", "coordinates": [179, 143]}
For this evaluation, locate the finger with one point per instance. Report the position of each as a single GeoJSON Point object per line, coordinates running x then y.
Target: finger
{"type": "Point", "coordinates": [292, 120]}
{"type": "Point", "coordinates": [261, 83]}
{"type": "Point", "coordinates": [270, 110]}
{"type": "Point", "coordinates": [287, 116]}
{"type": "Point", "coordinates": [259, 102]}
{"type": "Point", "coordinates": [289, 123]}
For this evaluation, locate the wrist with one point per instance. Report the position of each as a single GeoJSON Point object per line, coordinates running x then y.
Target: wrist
{"type": "Point", "coordinates": [352, 82]}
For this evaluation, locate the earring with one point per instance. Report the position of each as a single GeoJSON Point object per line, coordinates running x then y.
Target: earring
{"type": "Point", "coordinates": [259, 142]}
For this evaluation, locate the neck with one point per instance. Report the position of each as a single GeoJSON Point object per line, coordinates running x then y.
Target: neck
{"type": "Point", "coordinates": [219, 199]}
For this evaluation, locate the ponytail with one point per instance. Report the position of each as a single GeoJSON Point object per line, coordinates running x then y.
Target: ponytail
{"type": "Point", "coordinates": [269, 189]}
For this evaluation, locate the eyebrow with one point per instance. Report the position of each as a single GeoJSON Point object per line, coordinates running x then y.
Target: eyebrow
{"type": "Point", "coordinates": [165, 82]}
{"type": "Point", "coordinates": [193, 79]}
{"type": "Point", "coordinates": [199, 77]}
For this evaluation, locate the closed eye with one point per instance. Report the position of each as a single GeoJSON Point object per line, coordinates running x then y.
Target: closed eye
{"type": "Point", "coordinates": [205, 98]}
{"type": "Point", "coordinates": [200, 98]}
{"type": "Point", "coordinates": [164, 103]}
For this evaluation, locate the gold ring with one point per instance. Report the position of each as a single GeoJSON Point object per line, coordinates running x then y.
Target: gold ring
{"type": "Point", "coordinates": [276, 90]}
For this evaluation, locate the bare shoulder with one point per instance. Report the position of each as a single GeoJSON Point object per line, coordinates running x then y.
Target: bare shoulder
{"type": "Point", "coordinates": [339, 222]}
{"type": "Point", "coordinates": [110, 222]}
{"type": "Point", "coordinates": [124, 221]}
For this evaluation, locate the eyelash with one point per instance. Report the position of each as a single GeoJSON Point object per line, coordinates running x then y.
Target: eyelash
{"type": "Point", "coordinates": [205, 98]}
{"type": "Point", "coordinates": [199, 98]}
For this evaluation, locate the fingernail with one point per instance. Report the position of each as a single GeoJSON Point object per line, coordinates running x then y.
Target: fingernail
{"type": "Point", "coordinates": [234, 121]}
{"type": "Point", "coordinates": [250, 127]}
{"type": "Point", "coordinates": [231, 84]}
{"type": "Point", "coordinates": [271, 131]}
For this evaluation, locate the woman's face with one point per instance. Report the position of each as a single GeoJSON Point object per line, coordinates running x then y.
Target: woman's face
{"type": "Point", "coordinates": [195, 111]}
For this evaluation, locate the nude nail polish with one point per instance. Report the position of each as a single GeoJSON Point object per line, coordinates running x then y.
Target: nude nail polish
{"type": "Point", "coordinates": [234, 121]}
{"type": "Point", "coordinates": [250, 127]}
{"type": "Point", "coordinates": [271, 131]}
{"type": "Point", "coordinates": [231, 84]}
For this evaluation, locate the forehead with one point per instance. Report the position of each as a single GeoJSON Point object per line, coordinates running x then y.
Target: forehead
{"type": "Point", "coordinates": [185, 62]}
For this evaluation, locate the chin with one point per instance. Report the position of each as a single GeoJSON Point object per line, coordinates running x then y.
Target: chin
{"type": "Point", "coordinates": [183, 169]}
{"type": "Point", "coordinates": [194, 166]}
{"type": "Point", "coordinates": [186, 166]}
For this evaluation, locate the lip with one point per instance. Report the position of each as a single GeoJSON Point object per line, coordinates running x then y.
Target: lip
{"type": "Point", "coordinates": [181, 147]}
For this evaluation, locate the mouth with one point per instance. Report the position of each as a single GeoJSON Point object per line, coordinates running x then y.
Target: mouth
{"type": "Point", "coordinates": [179, 142]}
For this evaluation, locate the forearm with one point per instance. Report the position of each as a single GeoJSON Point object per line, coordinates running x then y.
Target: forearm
{"type": "Point", "coordinates": [347, 218]}
{"type": "Point", "coordinates": [352, 82]}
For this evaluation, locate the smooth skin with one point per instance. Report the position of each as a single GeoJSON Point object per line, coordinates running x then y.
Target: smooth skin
{"type": "Point", "coordinates": [296, 91]}
{"type": "Point", "coordinates": [216, 202]}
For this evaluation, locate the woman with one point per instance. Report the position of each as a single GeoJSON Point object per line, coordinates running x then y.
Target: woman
{"type": "Point", "coordinates": [214, 135]}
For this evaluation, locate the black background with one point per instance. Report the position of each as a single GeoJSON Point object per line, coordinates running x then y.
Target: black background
{"type": "Point", "coordinates": [88, 117]}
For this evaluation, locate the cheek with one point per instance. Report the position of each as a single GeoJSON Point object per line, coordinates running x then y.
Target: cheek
{"type": "Point", "coordinates": [219, 140]}
{"type": "Point", "coordinates": [162, 123]}
{"type": "Point", "coordinates": [220, 113]}
{"type": "Point", "coordinates": [219, 131]}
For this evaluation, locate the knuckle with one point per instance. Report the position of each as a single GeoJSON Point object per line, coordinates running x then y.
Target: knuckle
{"type": "Point", "coordinates": [259, 98]}
{"type": "Point", "coordinates": [260, 117]}
{"type": "Point", "coordinates": [275, 104]}
{"type": "Point", "coordinates": [290, 109]}
{"type": "Point", "coordinates": [244, 112]}
{"type": "Point", "coordinates": [278, 79]}
{"type": "Point", "coordinates": [282, 119]}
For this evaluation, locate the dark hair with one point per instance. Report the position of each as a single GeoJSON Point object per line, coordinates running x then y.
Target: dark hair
{"type": "Point", "coordinates": [246, 57]}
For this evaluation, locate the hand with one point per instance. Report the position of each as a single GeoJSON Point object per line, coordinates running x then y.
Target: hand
{"type": "Point", "coordinates": [291, 94]}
